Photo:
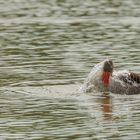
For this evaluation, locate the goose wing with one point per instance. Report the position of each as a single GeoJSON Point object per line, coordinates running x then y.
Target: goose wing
{"type": "Point", "coordinates": [129, 77]}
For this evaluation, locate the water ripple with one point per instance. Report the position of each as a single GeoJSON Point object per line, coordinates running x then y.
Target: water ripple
{"type": "Point", "coordinates": [47, 49]}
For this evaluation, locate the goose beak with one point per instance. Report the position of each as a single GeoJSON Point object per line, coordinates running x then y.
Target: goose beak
{"type": "Point", "coordinates": [105, 78]}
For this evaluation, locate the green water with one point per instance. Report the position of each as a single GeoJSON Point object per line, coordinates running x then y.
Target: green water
{"type": "Point", "coordinates": [47, 48]}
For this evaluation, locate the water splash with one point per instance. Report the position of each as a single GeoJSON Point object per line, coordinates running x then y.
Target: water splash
{"type": "Point", "coordinates": [93, 77]}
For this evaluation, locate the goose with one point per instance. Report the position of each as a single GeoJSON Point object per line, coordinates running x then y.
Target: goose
{"type": "Point", "coordinates": [104, 78]}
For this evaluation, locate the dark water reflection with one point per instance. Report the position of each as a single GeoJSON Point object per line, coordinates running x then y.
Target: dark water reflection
{"type": "Point", "coordinates": [46, 50]}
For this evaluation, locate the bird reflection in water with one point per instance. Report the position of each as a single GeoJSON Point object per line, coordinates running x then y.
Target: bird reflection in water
{"type": "Point", "coordinates": [106, 107]}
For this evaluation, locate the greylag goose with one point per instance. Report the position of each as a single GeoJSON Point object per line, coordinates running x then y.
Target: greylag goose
{"type": "Point", "coordinates": [104, 78]}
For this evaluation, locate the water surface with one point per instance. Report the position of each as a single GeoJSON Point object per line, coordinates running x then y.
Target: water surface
{"type": "Point", "coordinates": [47, 48]}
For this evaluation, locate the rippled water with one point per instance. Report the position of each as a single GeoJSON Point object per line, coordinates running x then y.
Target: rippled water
{"type": "Point", "coordinates": [47, 48]}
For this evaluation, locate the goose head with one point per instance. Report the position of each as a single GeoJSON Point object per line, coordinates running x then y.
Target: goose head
{"type": "Point", "coordinates": [107, 71]}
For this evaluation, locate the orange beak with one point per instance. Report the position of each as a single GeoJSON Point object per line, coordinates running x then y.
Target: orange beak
{"type": "Point", "coordinates": [105, 78]}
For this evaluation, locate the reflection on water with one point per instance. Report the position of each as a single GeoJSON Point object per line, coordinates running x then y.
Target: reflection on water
{"type": "Point", "coordinates": [107, 107]}
{"type": "Point", "coordinates": [46, 50]}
